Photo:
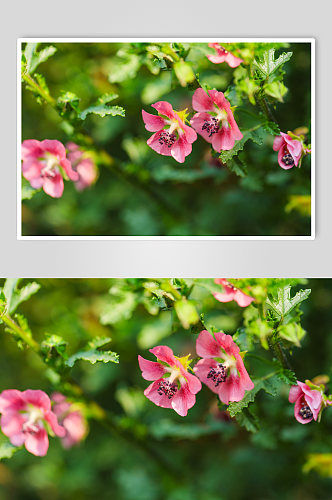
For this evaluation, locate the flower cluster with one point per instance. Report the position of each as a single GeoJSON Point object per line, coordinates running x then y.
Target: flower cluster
{"type": "Point", "coordinates": [214, 122]}
{"type": "Point", "coordinates": [310, 400]}
{"type": "Point", "coordinates": [221, 369]}
{"type": "Point", "coordinates": [71, 417]}
{"type": "Point", "coordinates": [45, 165]}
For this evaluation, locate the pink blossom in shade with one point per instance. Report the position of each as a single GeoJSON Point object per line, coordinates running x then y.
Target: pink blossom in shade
{"type": "Point", "coordinates": [222, 368]}
{"type": "Point", "coordinates": [231, 293]}
{"type": "Point", "coordinates": [214, 120]}
{"type": "Point", "coordinates": [27, 418]}
{"type": "Point", "coordinates": [222, 55]}
{"type": "Point", "coordinates": [173, 386]}
{"type": "Point", "coordinates": [72, 420]}
{"type": "Point", "coordinates": [308, 402]}
{"type": "Point", "coordinates": [290, 150]}
{"type": "Point", "coordinates": [42, 164]}
{"type": "Point", "coordinates": [84, 166]}
{"type": "Point", "coordinates": [172, 136]}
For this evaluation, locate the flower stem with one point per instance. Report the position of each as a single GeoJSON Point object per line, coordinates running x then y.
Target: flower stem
{"type": "Point", "coordinates": [45, 95]}
{"type": "Point", "coordinates": [260, 99]}
{"type": "Point", "coordinates": [18, 330]}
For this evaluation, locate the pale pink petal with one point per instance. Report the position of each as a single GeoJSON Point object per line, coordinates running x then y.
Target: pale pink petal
{"type": "Point", "coordinates": [164, 108]}
{"type": "Point", "coordinates": [180, 149]}
{"type": "Point", "coordinates": [312, 396]}
{"type": "Point", "coordinates": [152, 394]}
{"type": "Point", "coordinates": [224, 297]}
{"type": "Point", "coordinates": [54, 186]}
{"type": "Point", "coordinates": [227, 343]}
{"type": "Point", "coordinates": [11, 423]}
{"type": "Point", "coordinates": [193, 383]}
{"type": "Point", "coordinates": [165, 354]}
{"type": "Point", "coordinates": [154, 144]}
{"type": "Point", "coordinates": [75, 426]}
{"type": "Point", "coordinates": [219, 99]}
{"type": "Point", "coordinates": [207, 346]}
{"type": "Point", "coordinates": [151, 370]}
{"type": "Point", "coordinates": [223, 140]}
{"type": "Point", "coordinates": [217, 58]}
{"type": "Point", "coordinates": [11, 400]}
{"type": "Point", "coordinates": [242, 299]}
{"type": "Point", "coordinates": [66, 165]}
{"type": "Point", "coordinates": [57, 397]}
{"type": "Point", "coordinates": [294, 393]}
{"type": "Point", "coordinates": [87, 174]}
{"type": "Point", "coordinates": [236, 132]}
{"type": "Point", "coordinates": [51, 418]}
{"type": "Point", "coordinates": [297, 407]}
{"type": "Point", "coordinates": [37, 444]}
{"type": "Point", "coordinates": [31, 148]}
{"type": "Point", "coordinates": [278, 142]}
{"type": "Point", "coordinates": [54, 147]}
{"type": "Point", "coordinates": [202, 101]}
{"type": "Point", "coordinates": [37, 398]}
{"type": "Point", "coordinates": [37, 183]}
{"type": "Point", "coordinates": [198, 121]}
{"type": "Point", "coordinates": [202, 368]}
{"type": "Point", "coordinates": [31, 169]}
{"type": "Point", "coordinates": [183, 400]}
{"type": "Point", "coordinates": [71, 146]}
{"type": "Point", "coordinates": [153, 123]}
{"type": "Point", "coordinates": [232, 60]}
{"type": "Point", "coordinates": [231, 390]}
{"type": "Point", "coordinates": [190, 133]}
{"type": "Point", "coordinates": [246, 382]}
{"type": "Point", "coordinates": [17, 439]}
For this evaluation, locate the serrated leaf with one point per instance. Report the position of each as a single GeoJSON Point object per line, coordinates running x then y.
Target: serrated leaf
{"type": "Point", "coordinates": [93, 356]}
{"type": "Point", "coordinates": [23, 322]}
{"type": "Point", "coordinates": [125, 70]}
{"type": "Point", "coordinates": [272, 128]}
{"type": "Point", "coordinates": [248, 420]}
{"type": "Point", "coordinates": [119, 310]}
{"type": "Point", "coordinates": [249, 396]}
{"type": "Point", "coordinates": [269, 65]}
{"type": "Point", "coordinates": [102, 110]}
{"type": "Point", "coordinates": [287, 376]}
{"type": "Point", "coordinates": [283, 305]}
{"type": "Point", "coordinates": [7, 450]}
{"type": "Point", "coordinates": [238, 146]}
{"type": "Point", "coordinates": [15, 296]}
{"type": "Point", "coordinates": [98, 342]}
{"type": "Point", "coordinates": [53, 342]}
{"type": "Point", "coordinates": [236, 166]}
{"type": "Point", "coordinates": [35, 58]}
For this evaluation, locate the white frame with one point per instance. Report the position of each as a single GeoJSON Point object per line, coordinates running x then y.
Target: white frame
{"type": "Point", "coordinates": [156, 39]}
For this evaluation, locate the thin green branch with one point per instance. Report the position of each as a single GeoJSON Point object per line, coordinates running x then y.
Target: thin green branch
{"type": "Point", "coordinates": [24, 336]}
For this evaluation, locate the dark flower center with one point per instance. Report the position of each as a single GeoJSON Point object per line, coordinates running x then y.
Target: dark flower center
{"type": "Point", "coordinates": [218, 374]}
{"type": "Point", "coordinates": [305, 412]}
{"type": "Point", "coordinates": [211, 126]}
{"type": "Point", "coordinates": [29, 428]}
{"type": "Point", "coordinates": [167, 138]}
{"type": "Point", "coordinates": [288, 159]}
{"type": "Point", "coordinates": [167, 388]}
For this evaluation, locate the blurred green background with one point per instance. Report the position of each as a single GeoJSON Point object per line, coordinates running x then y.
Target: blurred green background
{"type": "Point", "coordinates": [201, 197]}
{"type": "Point", "coordinates": [158, 455]}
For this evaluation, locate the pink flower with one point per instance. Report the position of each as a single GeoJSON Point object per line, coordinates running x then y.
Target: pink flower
{"type": "Point", "coordinates": [173, 386]}
{"type": "Point", "coordinates": [72, 420]}
{"type": "Point", "coordinates": [290, 150]}
{"type": "Point", "coordinates": [172, 137]}
{"type": "Point", "coordinates": [222, 368]}
{"type": "Point", "coordinates": [85, 167]}
{"type": "Point", "coordinates": [231, 293]}
{"type": "Point", "coordinates": [44, 163]}
{"type": "Point", "coordinates": [27, 419]}
{"type": "Point", "coordinates": [214, 120]}
{"type": "Point", "coordinates": [222, 55]}
{"type": "Point", "coordinates": [308, 402]}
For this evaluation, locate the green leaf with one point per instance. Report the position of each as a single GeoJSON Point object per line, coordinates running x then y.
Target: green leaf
{"type": "Point", "coordinates": [268, 66]}
{"type": "Point", "coordinates": [249, 396]}
{"type": "Point", "coordinates": [102, 108]}
{"type": "Point", "coordinates": [41, 82]}
{"type": "Point", "coordinates": [186, 312]}
{"type": "Point", "coordinates": [93, 356]}
{"type": "Point", "coordinates": [292, 332]}
{"type": "Point", "coordinates": [120, 308]}
{"type": "Point", "coordinates": [237, 166]}
{"type": "Point", "coordinates": [27, 191]}
{"type": "Point", "coordinates": [125, 70]}
{"type": "Point", "coordinates": [34, 58]}
{"type": "Point", "coordinates": [272, 128]}
{"type": "Point", "coordinates": [276, 89]}
{"type": "Point", "coordinates": [98, 342]}
{"type": "Point", "coordinates": [283, 305]}
{"type": "Point", "coordinates": [248, 420]}
{"type": "Point", "coordinates": [286, 376]}
{"type": "Point", "coordinates": [7, 450]}
{"type": "Point", "coordinates": [53, 345]}
{"type": "Point", "coordinates": [68, 105]}
{"type": "Point", "coordinates": [15, 296]}
{"type": "Point", "coordinates": [238, 146]}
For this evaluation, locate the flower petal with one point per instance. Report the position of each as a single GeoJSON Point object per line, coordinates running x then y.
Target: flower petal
{"type": "Point", "coordinates": [151, 370]}
{"type": "Point", "coordinates": [242, 299]}
{"type": "Point", "coordinates": [31, 148]}
{"type": "Point", "coordinates": [297, 407]}
{"type": "Point", "coordinates": [223, 140]}
{"type": "Point", "coordinates": [152, 394]}
{"type": "Point", "coordinates": [202, 368]}
{"type": "Point", "coordinates": [165, 354]}
{"type": "Point", "coordinates": [154, 144]}
{"type": "Point", "coordinates": [231, 390]}
{"type": "Point", "coordinates": [66, 165]}
{"type": "Point", "coordinates": [194, 383]}
{"type": "Point", "coordinates": [183, 400]}
{"type": "Point", "coordinates": [294, 393]}
{"type": "Point", "coordinates": [11, 423]}
{"type": "Point", "coordinates": [153, 123]}
{"type": "Point", "coordinates": [236, 132]}
{"type": "Point", "coordinates": [207, 346]}
{"type": "Point", "coordinates": [164, 108]}
{"type": "Point", "coordinates": [11, 400]}
{"type": "Point", "coordinates": [232, 60]}
{"type": "Point", "coordinates": [246, 382]}
{"type": "Point", "coordinates": [202, 101]}
{"type": "Point", "coordinates": [224, 297]}
{"type": "Point", "coordinates": [37, 444]}
{"type": "Point", "coordinates": [54, 186]}
{"type": "Point", "coordinates": [181, 148]}
{"type": "Point", "coordinates": [37, 398]}
{"type": "Point", "coordinates": [76, 428]}
{"type": "Point", "coordinates": [31, 169]}
{"type": "Point", "coordinates": [278, 142]}
{"type": "Point", "coordinates": [51, 418]}
{"type": "Point", "coordinates": [198, 121]}
{"type": "Point", "coordinates": [54, 147]}
{"type": "Point", "coordinates": [281, 154]}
